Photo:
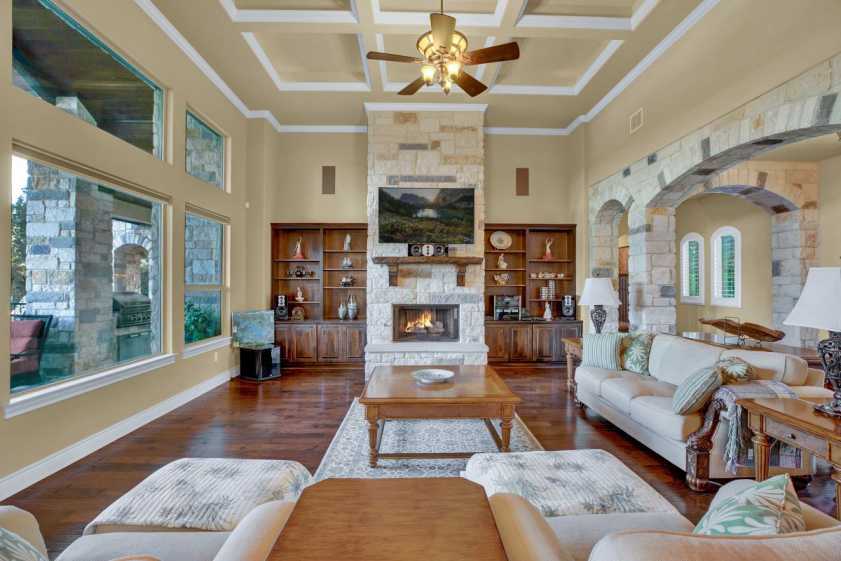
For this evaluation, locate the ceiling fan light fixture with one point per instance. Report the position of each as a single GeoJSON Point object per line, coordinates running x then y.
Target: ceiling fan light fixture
{"type": "Point", "coordinates": [454, 69]}
{"type": "Point", "coordinates": [446, 85]}
{"type": "Point", "coordinates": [428, 73]}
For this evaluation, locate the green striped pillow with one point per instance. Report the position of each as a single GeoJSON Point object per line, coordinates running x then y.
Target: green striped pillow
{"type": "Point", "coordinates": [696, 390]}
{"type": "Point", "coordinates": [601, 350]}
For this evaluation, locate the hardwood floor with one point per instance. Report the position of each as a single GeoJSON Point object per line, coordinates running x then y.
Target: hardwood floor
{"type": "Point", "coordinates": [295, 418]}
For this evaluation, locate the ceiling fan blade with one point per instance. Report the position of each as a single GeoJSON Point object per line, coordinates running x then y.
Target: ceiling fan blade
{"type": "Point", "coordinates": [412, 88]}
{"type": "Point", "coordinates": [374, 55]}
{"type": "Point", "coordinates": [443, 27]}
{"type": "Point", "coordinates": [470, 85]}
{"type": "Point", "coordinates": [497, 53]}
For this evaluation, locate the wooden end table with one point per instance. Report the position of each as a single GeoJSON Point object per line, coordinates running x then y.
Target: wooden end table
{"type": "Point", "coordinates": [445, 519]}
{"type": "Point", "coordinates": [476, 392]}
{"type": "Point", "coordinates": [574, 351]}
{"type": "Point", "coordinates": [795, 422]}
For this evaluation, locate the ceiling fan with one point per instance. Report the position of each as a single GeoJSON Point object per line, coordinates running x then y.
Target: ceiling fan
{"type": "Point", "coordinates": [444, 52]}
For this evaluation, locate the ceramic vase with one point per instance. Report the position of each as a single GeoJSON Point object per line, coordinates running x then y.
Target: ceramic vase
{"type": "Point", "coordinates": [342, 311]}
{"type": "Point", "coordinates": [352, 307]}
{"type": "Point", "coordinates": [547, 312]}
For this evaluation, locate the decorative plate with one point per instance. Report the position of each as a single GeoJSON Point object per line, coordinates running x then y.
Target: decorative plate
{"type": "Point", "coordinates": [433, 375]}
{"type": "Point", "coordinates": [501, 240]}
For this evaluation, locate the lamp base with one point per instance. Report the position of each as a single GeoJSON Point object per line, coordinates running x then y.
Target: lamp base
{"type": "Point", "coordinates": [599, 315]}
{"type": "Point", "coordinates": [830, 352]}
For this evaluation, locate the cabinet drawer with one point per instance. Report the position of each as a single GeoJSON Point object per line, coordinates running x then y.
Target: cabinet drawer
{"type": "Point", "coordinates": [796, 437]}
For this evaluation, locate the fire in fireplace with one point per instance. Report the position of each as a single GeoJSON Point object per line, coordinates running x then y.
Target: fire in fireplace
{"type": "Point", "coordinates": [431, 322]}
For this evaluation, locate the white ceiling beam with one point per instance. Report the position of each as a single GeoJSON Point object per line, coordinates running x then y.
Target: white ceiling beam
{"type": "Point", "coordinates": [288, 16]}
{"type": "Point", "coordinates": [411, 106]}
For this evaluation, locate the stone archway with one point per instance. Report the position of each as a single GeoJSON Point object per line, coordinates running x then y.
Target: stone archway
{"type": "Point", "coordinates": [805, 107]}
{"type": "Point", "coordinates": [604, 248]}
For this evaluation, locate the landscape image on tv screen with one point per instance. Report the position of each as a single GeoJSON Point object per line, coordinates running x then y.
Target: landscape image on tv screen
{"type": "Point", "coordinates": [426, 215]}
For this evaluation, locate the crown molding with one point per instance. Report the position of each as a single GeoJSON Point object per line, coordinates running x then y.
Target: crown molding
{"type": "Point", "coordinates": [288, 16]}
{"type": "Point", "coordinates": [605, 23]}
{"type": "Point", "coordinates": [473, 107]}
{"type": "Point", "coordinates": [322, 129]}
{"type": "Point", "coordinates": [524, 131]}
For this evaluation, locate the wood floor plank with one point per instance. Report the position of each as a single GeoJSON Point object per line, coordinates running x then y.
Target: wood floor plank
{"type": "Point", "coordinates": [296, 417]}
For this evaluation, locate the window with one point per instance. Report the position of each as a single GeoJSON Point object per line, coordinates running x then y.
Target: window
{"type": "Point", "coordinates": [59, 61]}
{"type": "Point", "coordinates": [692, 269]}
{"type": "Point", "coordinates": [203, 278]}
{"type": "Point", "coordinates": [727, 259]}
{"type": "Point", "coordinates": [86, 276]}
{"type": "Point", "coordinates": [205, 152]}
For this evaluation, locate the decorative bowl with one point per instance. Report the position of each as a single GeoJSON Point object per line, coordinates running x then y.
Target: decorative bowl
{"type": "Point", "coordinates": [501, 240]}
{"type": "Point", "coordinates": [433, 375]}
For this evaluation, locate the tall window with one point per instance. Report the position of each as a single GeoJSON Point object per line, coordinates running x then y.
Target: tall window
{"type": "Point", "coordinates": [86, 276]}
{"type": "Point", "coordinates": [59, 61]}
{"type": "Point", "coordinates": [692, 269]}
{"type": "Point", "coordinates": [205, 152]}
{"type": "Point", "coordinates": [203, 278]}
{"type": "Point", "coordinates": [727, 259]}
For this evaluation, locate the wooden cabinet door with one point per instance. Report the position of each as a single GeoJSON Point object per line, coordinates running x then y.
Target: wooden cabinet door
{"type": "Point", "coordinates": [497, 338]}
{"type": "Point", "coordinates": [572, 330]}
{"type": "Point", "coordinates": [521, 344]}
{"type": "Point", "coordinates": [354, 347]}
{"type": "Point", "coordinates": [545, 343]}
{"type": "Point", "coordinates": [330, 343]}
{"type": "Point", "coordinates": [283, 338]}
{"type": "Point", "coordinates": [305, 343]}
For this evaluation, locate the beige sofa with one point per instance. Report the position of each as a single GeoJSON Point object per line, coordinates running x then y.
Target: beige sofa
{"type": "Point", "coordinates": [642, 405]}
{"type": "Point", "coordinates": [527, 536]}
{"type": "Point", "coordinates": [251, 540]}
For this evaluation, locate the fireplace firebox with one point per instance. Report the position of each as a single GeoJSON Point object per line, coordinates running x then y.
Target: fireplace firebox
{"type": "Point", "coordinates": [425, 322]}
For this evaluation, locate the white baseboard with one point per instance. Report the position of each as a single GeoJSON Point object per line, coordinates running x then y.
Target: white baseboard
{"type": "Point", "coordinates": [33, 473]}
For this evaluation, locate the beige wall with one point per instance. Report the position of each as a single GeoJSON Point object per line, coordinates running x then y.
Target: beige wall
{"type": "Point", "coordinates": [705, 215]}
{"type": "Point", "coordinates": [32, 122]}
{"type": "Point", "coordinates": [829, 230]}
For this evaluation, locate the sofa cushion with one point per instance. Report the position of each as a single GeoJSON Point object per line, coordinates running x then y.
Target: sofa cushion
{"type": "Point", "coordinates": [254, 537]}
{"type": "Point", "coordinates": [655, 413]}
{"type": "Point", "coordinates": [636, 349]}
{"type": "Point", "coordinates": [601, 350]}
{"type": "Point", "coordinates": [524, 532]}
{"type": "Point", "coordinates": [807, 392]}
{"type": "Point", "coordinates": [590, 378]}
{"type": "Point", "coordinates": [578, 534]}
{"type": "Point", "coordinates": [788, 369]}
{"type": "Point", "coordinates": [621, 390]}
{"type": "Point", "coordinates": [166, 546]}
{"type": "Point", "coordinates": [694, 393]}
{"type": "Point", "coordinates": [15, 548]}
{"type": "Point", "coordinates": [674, 358]}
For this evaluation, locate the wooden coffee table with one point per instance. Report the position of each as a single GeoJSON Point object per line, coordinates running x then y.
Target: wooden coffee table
{"type": "Point", "coordinates": [476, 392]}
{"type": "Point", "coordinates": [445, 519]}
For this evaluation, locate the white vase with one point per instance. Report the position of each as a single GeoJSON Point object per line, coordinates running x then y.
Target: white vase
{"type": "Point", "coordinates": [547, 312]}
{"type": "Point", "coordinates": [342, 311]}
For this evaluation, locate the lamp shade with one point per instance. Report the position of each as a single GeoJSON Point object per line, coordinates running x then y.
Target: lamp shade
{"type": "Point", "coordinates": [819, 306]}
{"type": "Point", "coordinates": [599, 291]}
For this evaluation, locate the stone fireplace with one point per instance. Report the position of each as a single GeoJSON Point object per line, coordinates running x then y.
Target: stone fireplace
{"type": "Point", "coordinates": [425, 322]}
{"type": "Point", "coordinates": [411, 149]}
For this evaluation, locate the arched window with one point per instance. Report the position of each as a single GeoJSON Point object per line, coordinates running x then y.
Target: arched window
{"type": "Point", "coordinates": [692, 269]}
{"type": "Point", "coordinates": [727, 267]}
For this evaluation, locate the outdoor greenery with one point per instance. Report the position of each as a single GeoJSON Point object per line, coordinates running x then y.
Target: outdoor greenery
{"type": "Point", "coordinates": [18, 236]}
{"type": "Point", "coordinates": [200, 322]}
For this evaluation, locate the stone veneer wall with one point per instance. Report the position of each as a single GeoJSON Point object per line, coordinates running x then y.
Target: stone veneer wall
{"type": "Point", "coordinates": [425, 149]}
{"type": "Point", "coordinates": [205, 152]}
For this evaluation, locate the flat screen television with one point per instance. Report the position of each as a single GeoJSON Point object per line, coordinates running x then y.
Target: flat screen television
{"type": "Point", "coordinates": [426, 215]}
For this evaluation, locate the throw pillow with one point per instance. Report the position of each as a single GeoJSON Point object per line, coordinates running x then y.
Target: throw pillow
{"type": "Point", "coordinates": [601, 350]}
{"type": "Point", "coordinates": [734, 370]}
{"type": "Point", "coordinates": [635, 353]}
{"type": "Point", "coordinates": [695, 391]}
{"type": "Point", "coordinates": [765, 508]}
{"type": "Point", "coordinates": [15, 548]}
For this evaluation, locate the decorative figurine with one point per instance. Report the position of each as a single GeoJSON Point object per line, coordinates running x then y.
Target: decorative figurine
{"type": "Point", "coordinates": [500, 262]}
{"type": "Point", "coordinates": [347, 281]}
{"type": "Point", "coordinates": [502, 279]}
{"type": "Point", "coordinates": [352, 307]}
{"type": "Point", "coordinates": [299, 249]}
{"type": "Point", "coordinates": [547, 312]}
{"type": "Point", "coordinates": [347, 242]}
{"type": "Point", "coordinates": [342, 311]}
{"type": "Point", "coordinates": [547, 255]}
{"type": "Point", "coordinates": [347, 263]}
{"type": "Point", "coordinates": [298, 313]}
{"type": "Point", "coordinates": [299, 295]}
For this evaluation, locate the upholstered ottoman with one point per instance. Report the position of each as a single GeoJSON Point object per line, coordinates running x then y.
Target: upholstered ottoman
{"type": "Point", "coordinates": [210, 494]}
{"type": "Point", "coordinates": [567, 482]}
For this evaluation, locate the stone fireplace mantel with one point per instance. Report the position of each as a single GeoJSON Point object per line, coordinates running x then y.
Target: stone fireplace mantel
{"type": "Point", "coordinates": [394, 263]}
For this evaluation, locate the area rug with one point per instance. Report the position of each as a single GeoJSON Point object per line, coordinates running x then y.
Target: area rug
{"type": "Point", "coordinates": [347, 455]}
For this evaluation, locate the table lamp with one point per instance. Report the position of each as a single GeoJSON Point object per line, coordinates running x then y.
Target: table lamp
{"type": "Point", "coordinates": [598, 293]}
{"type": "Point", "coordinates": [819, 307]}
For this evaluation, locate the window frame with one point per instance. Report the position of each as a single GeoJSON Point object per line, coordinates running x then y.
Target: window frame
{"type": "Point", "coordinates": [717, 299]}
{"type": "Point", "coordinates": [197, 115]}
{"type": "Point", "coordinates": [160, 93]}
{"type": "Point", "coordinates": [685, 297]}
{"type": "Point", "coordinates": [223, 338]}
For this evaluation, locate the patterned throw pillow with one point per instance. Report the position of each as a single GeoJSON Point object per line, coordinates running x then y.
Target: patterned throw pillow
{"type": "Point", "coordinates": [734, 370]}
{"type": "Point", "coordinates": [695, 391]}
{"type": "Point", "coordinates": [635, 353]}
{"type": "Point", "coordinates": [764, 509]}
{"type": "Point", "coordinates": [601, 350]}
{"type": "Point", "coordinates": [15, 548]}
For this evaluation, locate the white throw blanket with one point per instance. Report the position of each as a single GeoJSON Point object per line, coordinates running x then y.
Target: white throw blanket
{"type": "Point", "coordinates": [211, 494]}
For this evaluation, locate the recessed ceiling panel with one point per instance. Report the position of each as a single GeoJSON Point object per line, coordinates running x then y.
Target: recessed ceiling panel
{"type": "Point", "coordinates": [293, 4]}
{"type": "Point", "coordinates": [551, 61]}
{"type": "Point", "coordinates": [405, 45]}
{"type": "Point", "coordinates": [450, 6]}
{"type": "Point", "coordinates": [305, 57]}
{"type": "Point", "coordinates": [610, 8]}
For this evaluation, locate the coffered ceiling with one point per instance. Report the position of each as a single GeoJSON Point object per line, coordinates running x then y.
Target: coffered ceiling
{"type": "Point", "coordinates": [301, 63]}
